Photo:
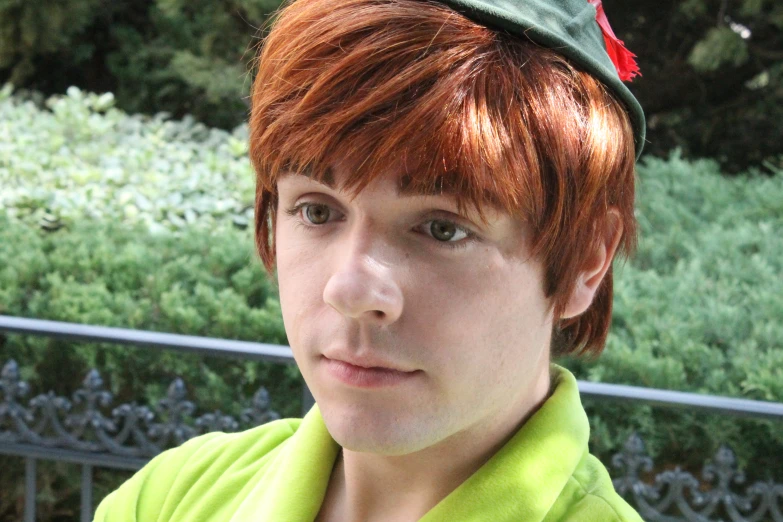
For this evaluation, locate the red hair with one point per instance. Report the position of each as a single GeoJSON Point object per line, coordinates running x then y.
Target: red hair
{"type": "Point", "coordinates": [490, 118]}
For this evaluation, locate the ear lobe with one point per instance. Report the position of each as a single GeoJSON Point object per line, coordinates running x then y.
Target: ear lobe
{"type": "Point", "coordinates": [596, 265]}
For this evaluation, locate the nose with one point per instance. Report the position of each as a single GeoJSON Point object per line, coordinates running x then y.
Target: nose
{"type": "Point", "coordinates": [362, 285]}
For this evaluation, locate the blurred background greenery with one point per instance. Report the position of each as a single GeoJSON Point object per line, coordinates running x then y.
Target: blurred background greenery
{"type": "Point", "coordinates": [126, 194]}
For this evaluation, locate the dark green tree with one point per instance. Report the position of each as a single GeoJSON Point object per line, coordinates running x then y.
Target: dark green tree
{"type": "Point", "coordinates": [713, 75]}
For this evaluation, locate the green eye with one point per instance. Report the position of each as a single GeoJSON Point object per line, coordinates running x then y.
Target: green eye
{"type": "Point", "coordinates": [317, 214]}
{"type": "Point", "coordinates": [443, 230]}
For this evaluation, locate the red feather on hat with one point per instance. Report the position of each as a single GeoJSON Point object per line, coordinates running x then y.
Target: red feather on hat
{"type": "Point", "coordinates": [621, 57]}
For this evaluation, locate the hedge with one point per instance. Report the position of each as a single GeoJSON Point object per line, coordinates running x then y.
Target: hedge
{"type": "Point", "coordinates": [81, 159]}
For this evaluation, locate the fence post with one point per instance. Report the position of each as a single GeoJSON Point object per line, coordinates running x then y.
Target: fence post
{"type": "Point", "coordinates": [86, 493]}
{"type": "Point", "coordinates": [29, 489]}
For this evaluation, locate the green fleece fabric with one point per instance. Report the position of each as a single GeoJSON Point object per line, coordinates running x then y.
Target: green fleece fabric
{"type": "Point", "coordinates": [278, 472]}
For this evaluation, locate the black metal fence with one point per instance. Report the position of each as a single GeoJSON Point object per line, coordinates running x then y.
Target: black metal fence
{"type": "Point", "coordinates": [88, 429]}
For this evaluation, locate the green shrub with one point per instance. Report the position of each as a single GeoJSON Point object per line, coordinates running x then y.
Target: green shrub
{"type": "Point", "coordinates": [204, 282]}
{"type": "Point", "coordinates": [199, 281]}
{"type": "Point", "coordinates": [83, 159]}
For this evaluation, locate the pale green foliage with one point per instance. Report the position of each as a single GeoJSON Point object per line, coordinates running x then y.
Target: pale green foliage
{"type": "Point", "coordinates": [720, 46]}
{"type": "Point", "coordinates": [84, 159]}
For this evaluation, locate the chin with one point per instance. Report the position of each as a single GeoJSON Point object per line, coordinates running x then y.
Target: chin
{"type": "Point", "coordinates": [365, 430]}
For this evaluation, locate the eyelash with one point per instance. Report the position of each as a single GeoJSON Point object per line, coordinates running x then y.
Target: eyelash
{"type": "Point", "coordinates": [471, 237]}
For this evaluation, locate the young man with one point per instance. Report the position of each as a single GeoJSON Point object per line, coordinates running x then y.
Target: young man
{"type": "Point", "coordinates": [442, 188]}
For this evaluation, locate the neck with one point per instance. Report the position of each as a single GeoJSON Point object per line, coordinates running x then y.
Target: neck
{"type": "Point", "coordinates": [376, 488]}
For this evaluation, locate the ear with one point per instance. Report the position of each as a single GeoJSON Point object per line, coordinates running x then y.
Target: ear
{"type": "Point", "coordinates": [596, 265]}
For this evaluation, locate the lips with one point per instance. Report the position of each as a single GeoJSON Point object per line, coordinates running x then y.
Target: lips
{"type": "Point", "coordinates": [368, 363]}
{"type": "Point", "coordinates": [376, 375]}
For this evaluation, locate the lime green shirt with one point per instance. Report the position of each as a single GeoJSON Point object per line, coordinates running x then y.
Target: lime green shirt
{"type": "Point", "coordinates": [278, 472]}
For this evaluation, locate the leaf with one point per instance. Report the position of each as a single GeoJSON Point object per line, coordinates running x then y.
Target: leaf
{"type": "Point", "coordinates": [720, 46]}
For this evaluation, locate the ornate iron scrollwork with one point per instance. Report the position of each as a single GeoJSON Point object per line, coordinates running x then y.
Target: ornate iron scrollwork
{"type": "Point", "coordinates": [260, 412]}
{"type": "Point", "coordinates": [14, 418]}
{"type": "Point", "coordinates": [678, 496]}
{"type": "Point", "coordinates": [81, 424]}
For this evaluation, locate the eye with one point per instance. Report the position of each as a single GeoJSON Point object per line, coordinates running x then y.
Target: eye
{"type": "Point", "coordinates": [317, 213]}
{"type": "Point", "coordinates": [443, 230]}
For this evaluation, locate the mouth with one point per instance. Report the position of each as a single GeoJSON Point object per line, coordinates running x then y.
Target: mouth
{"type": "Point", "coordinates": [367, 374]}
{"type": "Point", "coordinates": [369, 363]}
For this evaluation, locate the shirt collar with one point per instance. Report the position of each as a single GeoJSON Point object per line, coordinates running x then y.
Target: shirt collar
{"type": "Point", "coordinates": [520, 482]}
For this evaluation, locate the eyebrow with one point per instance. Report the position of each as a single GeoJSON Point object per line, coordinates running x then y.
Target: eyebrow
{"type": "Point", "coordinates": [404, 187]}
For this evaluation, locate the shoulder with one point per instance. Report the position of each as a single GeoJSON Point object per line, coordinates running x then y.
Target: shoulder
{"type": "Point", "coordinates": [590, 497]}
{"type": "Point", "coordinates": [195, 468]}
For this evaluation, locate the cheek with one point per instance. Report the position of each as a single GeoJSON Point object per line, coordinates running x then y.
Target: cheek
{"type": "Point", "coordinates": [298, 279]}
{"type": "Point", "coordinates": [482, 322]}
{"type": "Point", "coordinates": [492, 292]}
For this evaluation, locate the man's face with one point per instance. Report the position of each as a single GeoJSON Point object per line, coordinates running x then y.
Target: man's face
{"type": "Point", "coordinates": [373, 281]}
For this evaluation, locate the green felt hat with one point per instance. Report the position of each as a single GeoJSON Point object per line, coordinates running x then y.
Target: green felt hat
{"type": "Point", "coordinates": [567, 26]}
